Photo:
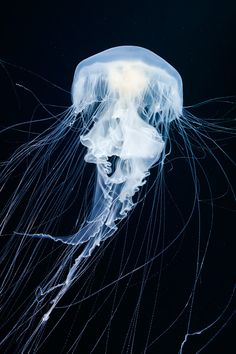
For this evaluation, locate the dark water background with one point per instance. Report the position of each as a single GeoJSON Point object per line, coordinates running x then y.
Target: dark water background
{"type": "Point", "coordinates": [198, 39]}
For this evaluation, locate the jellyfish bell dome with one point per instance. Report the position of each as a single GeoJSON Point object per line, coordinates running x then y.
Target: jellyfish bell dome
{"type": "Point", "coordinates": [128, 73]}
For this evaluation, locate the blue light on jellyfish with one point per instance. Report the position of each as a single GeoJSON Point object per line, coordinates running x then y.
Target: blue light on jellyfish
{"type": "Point", "coordinates": [125, 102]}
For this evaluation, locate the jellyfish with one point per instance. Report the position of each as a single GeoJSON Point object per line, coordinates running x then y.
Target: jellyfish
{"type": "Point", "coordinates": [124, 101]}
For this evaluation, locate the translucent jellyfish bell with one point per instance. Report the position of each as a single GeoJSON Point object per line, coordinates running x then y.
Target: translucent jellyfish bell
{"type": "Point", "coordinates": [124, 96]}
{"type": "Point", "coordinates": [124, 73]}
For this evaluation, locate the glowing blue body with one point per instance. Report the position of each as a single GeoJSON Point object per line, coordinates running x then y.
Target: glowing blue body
{"type": "Point", "coordinates": [136, 91]}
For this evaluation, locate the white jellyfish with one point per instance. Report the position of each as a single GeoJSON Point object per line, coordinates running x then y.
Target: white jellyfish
{"type": "Point", "coordinates": [137, 92]}
{"type": "Point", "coordinates": [124, 101]}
